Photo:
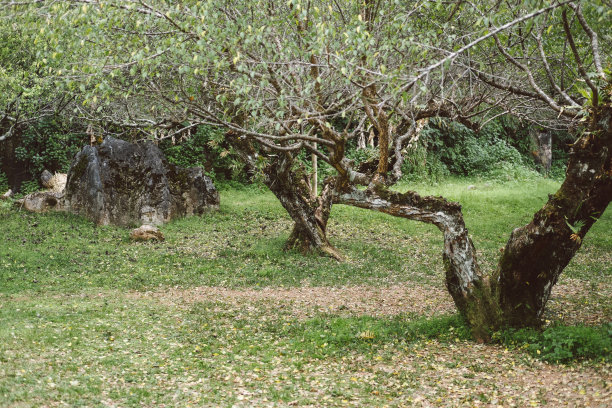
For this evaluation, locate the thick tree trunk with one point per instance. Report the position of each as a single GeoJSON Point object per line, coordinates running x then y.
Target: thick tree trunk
{"type": "Point", "coordinates": [468, 288]}
{"type": "Point", "coordinates": [536, 254]}
{"type": "Point", "coordinates": [15, 171]}
{"type": "Point", "coordinates": [310, 213]}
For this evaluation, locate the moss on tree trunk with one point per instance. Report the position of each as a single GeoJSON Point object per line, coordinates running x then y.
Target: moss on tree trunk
{"type": "Point", "coordinates": [310, 213]}
{"type": "Point", "coordinates": [537, 253]}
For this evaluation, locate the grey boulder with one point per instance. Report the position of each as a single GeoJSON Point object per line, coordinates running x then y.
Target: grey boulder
{"type": "Point", "coordinates": [123, 183]}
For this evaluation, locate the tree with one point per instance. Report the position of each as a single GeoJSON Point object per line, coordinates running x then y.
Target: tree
{"type": "Point", "coordinates": [27, 94]}
{"type": "Point", "coordinates": [535, 254]}
{"type": "Point", "coordinates": [312, 75]}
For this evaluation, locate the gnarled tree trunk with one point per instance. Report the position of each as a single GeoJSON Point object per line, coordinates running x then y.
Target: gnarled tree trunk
{"type": "Point", "coordinates": [468, 288]}
{"type": "Point", "coordinates": [536, 254]}
{"type": "Point", "coordinates": [310, 213]}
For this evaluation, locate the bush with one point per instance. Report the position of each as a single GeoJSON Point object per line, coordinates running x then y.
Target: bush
{"type": "Point", "coordinates": [561, 344]}
{"type": "Point", "coordinates": [4, 186]}
{"type": "Point", "coordinates": [205, 149]}
{"type": "Point", "coordinates": [49, 144]}
{"type": "Point", "coordinates": [557, 170]}
{"type": "Point", "coordinates": [470, 155]}
{"type": "Point", "coordinates": [452, 148]}
{"type": "Point", "coordinates": [422, 165]}
{"type": "Point", "coordinates": [28, 187]}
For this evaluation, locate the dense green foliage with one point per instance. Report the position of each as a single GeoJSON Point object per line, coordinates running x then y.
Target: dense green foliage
{"type": "Point", "coordinates": [3, 182]}
{"type": "Point", "coordinates": [49, 144]}
{"type": "Point", "coordinates": [501, 150]}
{"type": "Point", "coordinates": [205, 148]}
{"type": "Point", "coordinates": [497, 152]}
{"type": "Point", "coordinates": [562, 344]}
{"type": "Point", "coordinates": [465, 152]}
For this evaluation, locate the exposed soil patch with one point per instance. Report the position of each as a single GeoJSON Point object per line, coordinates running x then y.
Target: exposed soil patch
{"type": "Point", "coordinates": [468, 374]}
{"type": "Point", "coordinates": [576, 302]}
{"type": "Point", "coordinates": [572, 302]}
{"type": "Point", "coordinates": [304, 301]}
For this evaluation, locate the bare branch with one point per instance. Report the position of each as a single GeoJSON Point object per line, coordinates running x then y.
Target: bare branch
{"type": "Point", "coordinates": [542, 95]}
{"type": "Point", "coordinates": [594, 41]}
{"type": "Point", "coordinates": [451, 56]}
{"type": "Point", "coordinates": [551, 79]}
{"type": "Point", "coordinates": [583, 73]}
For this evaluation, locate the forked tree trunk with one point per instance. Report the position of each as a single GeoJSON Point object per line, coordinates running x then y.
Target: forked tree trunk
{"type": "Point", "coordinates": [310, 213]}
{"type": "Point", "coordinates": [469, 289]}
{"type": "Point", "coordinates": [536, 254]}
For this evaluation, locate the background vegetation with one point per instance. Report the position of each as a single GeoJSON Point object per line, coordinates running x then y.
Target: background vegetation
{"type": "Point", "coordinates": [501, 151]}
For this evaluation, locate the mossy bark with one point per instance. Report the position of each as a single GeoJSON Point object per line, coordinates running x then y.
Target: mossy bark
{"type": "Point", "coordinates": [470, 291]}
{"type": "Point", "coordinates": [310, 213]}
{"type": "Point", "coordinates": [537, 253]}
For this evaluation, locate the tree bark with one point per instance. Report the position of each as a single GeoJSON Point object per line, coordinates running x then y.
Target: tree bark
{"type": "Point", "coordinates": [15, 171]}
{"type": "Point", "coordinates": [292, 188]}
{"type": "Point", "coordinates": [536, 254]}
{"type": "Point", "coordinates": [309, 212]}
{"type": "Point", "coordinates": [469, 289]}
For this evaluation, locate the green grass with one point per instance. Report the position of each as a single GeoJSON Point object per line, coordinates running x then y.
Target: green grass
{"type": "Point", "coordinates": [241, 245]}
{"type": "Point", "coordinates": [78, 326]}
{"type": "Point", "coordinates": [88, 349]}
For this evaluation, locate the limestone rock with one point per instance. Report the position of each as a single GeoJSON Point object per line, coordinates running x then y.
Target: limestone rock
{"type": "Point", "coordinates": [54, 182]}
{"type": "Point", "coordinates": [122, 183]}
{"type": "Point", "coordinates": [146, 233]}
{"type": "Point", "coordinates": [43, 201]}
{"type": "Point", "coordinates": [7, 195]}
{"type": "Point", "coordinates": [58, 182]}
{"type": "Point", "coordinates": [45, 178]}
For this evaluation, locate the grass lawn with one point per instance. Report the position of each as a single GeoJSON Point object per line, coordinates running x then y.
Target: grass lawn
{"type": "Point", "coordinates": [219, 315]}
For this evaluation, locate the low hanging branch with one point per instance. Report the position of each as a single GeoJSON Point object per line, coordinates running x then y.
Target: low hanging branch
{"type": "Point", "coordinates": [464, 280]}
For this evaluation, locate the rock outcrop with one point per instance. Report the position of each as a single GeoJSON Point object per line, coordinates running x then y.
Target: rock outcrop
{"type": "Point", "coordinates": [146, 233]}
{"type": "Point", "coordinates": [122, 183]}
{"type": "Point", "coordinates": [43, 201]}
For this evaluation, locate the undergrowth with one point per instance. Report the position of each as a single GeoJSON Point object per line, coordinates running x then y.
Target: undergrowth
{"type": "Point", "coordinates": [561, 344]}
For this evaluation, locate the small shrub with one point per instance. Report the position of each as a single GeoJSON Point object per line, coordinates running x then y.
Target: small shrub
{"type": "Point", "coordinates": [561, 344]}
{"type": "Point", "coordinates": [29, 186]}
{"type": "Point", "coordinates": [463, 152]}
{"type": "Point", "coordinates": [49, 144]}
{"type": "Point", "coordinates": [206, 149]}
{"type": "Point", "coordinates": [4, 185]}
{"type": "Point", "coordinates": [557, 170]}
{"type": "Point", "coordinates": [421, 165]}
